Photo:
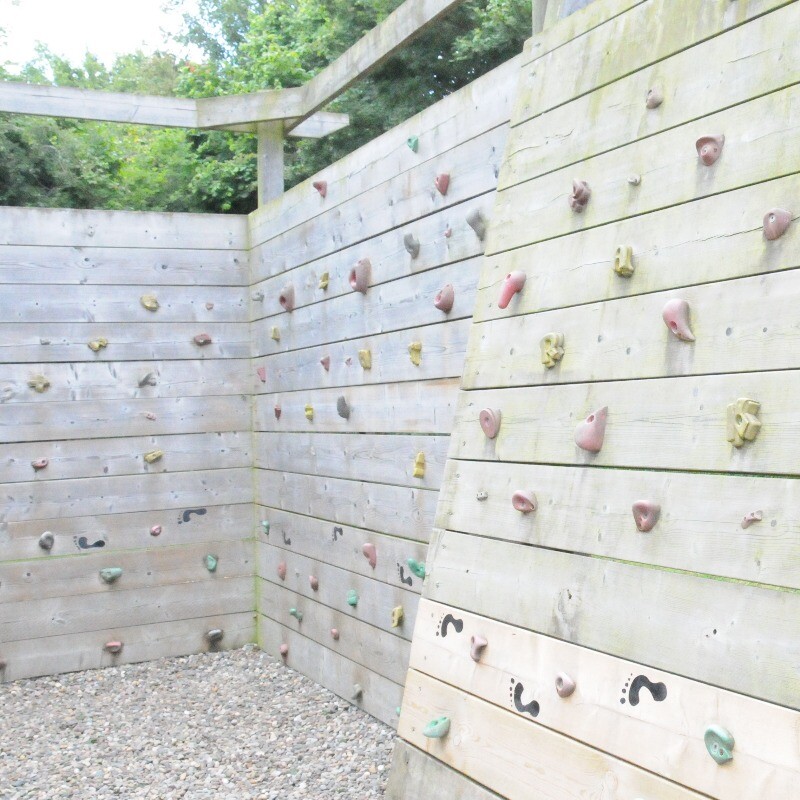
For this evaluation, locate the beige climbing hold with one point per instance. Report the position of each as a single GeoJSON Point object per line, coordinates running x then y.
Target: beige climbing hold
{"type": "Point", "coordinates": [323, 280]}
{"type": "Point", "coordinates": [743, 423]}
{"type": "Point", "coordinates": [39, 383]}
{"type": "Point", "coordinates": [309, 412]}
{"type": "Point", "coordinates": [397, 616]}
{"type": "Point", "coordinates": [365, 358]}
{"type": "Point", "coordinates": [149, 301]}
{"type": "Point", "coordinates": [98, 344]}
{"type": "Point", "coordinates": [552, 346]}
{"type": "Point", "coordinates": [415, 351]}
{"type": "Point", "coordinates": [153, 456]}
{"type": "Point", "coordinates": [623, 261]}
{"type": "Point", "coordinates": [419, 466]}
{"type": "Point", "coordinates": [275, 333]}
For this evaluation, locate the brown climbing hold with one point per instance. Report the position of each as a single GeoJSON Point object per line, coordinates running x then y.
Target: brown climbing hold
{"type": "Point", "coordinates": [445, 298]}
{"type": "Point", "coordinates": [282, 570]}
{"type": "Point", "coordinates": [115, 648]}
{"type": "Point", "coordinates": [202, 339]}
{"type": "Point", "coordinates": [646, 514]}
{"type": "Point", "coordinates": [40, 463]}
{"type": "Point", "coordinates": [370, 553]}
{"type": "Point", "coordinates": [442, 183]}
{"type": "Point", "coordinates": [321, 187]}
{"type": "Point", "coordinates": [776, 221]}
{"type": "Point", "coordinates": [153, 456]}
{"type": "Point", "coordinates": [262, 374]}
{"type": "Point", "coordinates": [313, 582]}
{"type": "Point", "coordinates": [477, 646]}
{"type": "Point", "coordinates": [284, 650]}
{"type": "Point", "coordinates": [277, 412]}
{"type": "Point", "coordinates": [565, 686]}
{"type": "Point", "coordinates": [709, 148]}
{"type": "Point", "coordinates": [39, 383]}
{"type": "Point", "coordinates": [98, 344]}
{"type": "Point", "coordinates": [360, 275]}
{"type": "Point", "coordinates": [579, 198]}
{"type": "Point", "coordinates": [335, 634]}
{"type": "Point", "coordinates": [524, 501]}
{"type": "Point", "coordinates": [489, 419]}
{"type": "Point", "coordinates": [149, 301]}
{"type": "Point", "coordinates": [512, 284]}
{"type": "Point", "coordinates": [654, 98]}
{"type": "Point", "coordinates": [326, 363]}
{"type": "Point", "coordinates": [478, 224]}
{"type": "Point", "coordinates": [676, 317]}
{"type": "Point", "coordinates": [155, 530]}
{"type": "Point", "coordinates": [590, 433]}
{"type": "Point", "coordinates": [286, 297]}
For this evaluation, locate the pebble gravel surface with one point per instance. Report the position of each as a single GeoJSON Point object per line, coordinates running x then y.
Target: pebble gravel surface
{"type": "Point", "coordinates": [228, 726]}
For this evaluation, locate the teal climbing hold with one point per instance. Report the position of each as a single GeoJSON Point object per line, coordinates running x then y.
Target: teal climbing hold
{"type": "Point", "coordinates": [417, 567]}
{"type": "Point", "coordinates": [211, 563]}
{"type": "Point", "coordinates": [413, 143]}
{"type": "Point", "coordinates": [437, 728]}
{"type": "Point", "coordinates": [265, 526]}
{"type": "Point", "coordinates": [110, 574]}
{"type": "Point", "coordinates": [298, 615]}
{"type": "Point", "coordinates": [352, 598]}
{"type": "Point", "coordinates": [719, 743]}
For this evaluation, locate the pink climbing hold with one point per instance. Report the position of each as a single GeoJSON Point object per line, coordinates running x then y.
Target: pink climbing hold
{"type": "Point", "coordinates": [489, 419]}
{"type": "Point", "coordinates": [590, 433]}
{"type": "Point", "coordinates": [512, 284]}
{"type": "Point", "coordinates": [150, 415]}
{"type": "Point", "coordinates": [448, 232]}
{"type": "Point", "coordinates": [753, 516]}
{"type": "Point", "coordinates": [776, 221]}
{"type": "Point", "coordinates": [321, 187]}
{"type": "Point", "coordinates": [277, 412]}
{"type": "Point", "coordinates": [579, 198]}
{"type": "Point", "coordinates": [284, 650]}
{"type": "Point", "coordinates": [286, 298]}
{"type": "Point", "coordinates": [370, 553]}
{"type": "Point", "coordinates": [313, 582]}
{"type": "Point", "coordinates": [442, 183]}
{"type": "Point", "coordinates": [40, 463]}
{"type": "Point", "coordinates": [202, 339]}
{"type": "Point", "coordinates": [326, 363]}
{"type": "Point", "coordinates": [155, 530]}
{"type": "Point", "coordinates": [477, 645]}
{"type": "Point", "coordinates": [646, 514]}
{"type": "Point", "coordinates": [335, 634]}
{"type": "Point", "coordinates": [565, 685]}
{"type": "Point", "coordinates": [113, 647]}
{"type": "Point", "coordinates": [676, 317]}
{"type": "Point", "coordinates": [209, 306]}
{"type": "Point", "coordinates": [445, 298]}
{"type": "Point", "coordinates": [262, 374]}
{"type": "Point", "coordinates": [359, 275]}
{"type": "Point", "coordinates": [524, 501]}
{"type": "Point", "coordinates": [282, 570]}
{"type": "Point", "coordinates": [709, 148]}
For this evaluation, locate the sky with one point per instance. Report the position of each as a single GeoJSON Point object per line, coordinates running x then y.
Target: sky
{"type": "Point", "coordinates": [106, 28]}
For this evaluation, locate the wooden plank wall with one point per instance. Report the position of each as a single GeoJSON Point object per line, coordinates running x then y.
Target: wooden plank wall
{"type": "Point", "coordinates": [327, 486]}
{"type": "Point", "coordinates": [68, 278]}
{"type": "Point", "coordinates": [694, 623]}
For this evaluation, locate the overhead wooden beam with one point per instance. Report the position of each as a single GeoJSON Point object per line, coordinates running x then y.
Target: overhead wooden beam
{"type": "Point", "coordinates": [316, 126]}
{"type": "Point", "coordinates": [271, 104]}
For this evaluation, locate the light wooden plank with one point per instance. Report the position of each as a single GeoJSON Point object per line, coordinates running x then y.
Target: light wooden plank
{"type": "Point", "coordinates": [319, 125]}
{"type": "Point", "coordinates": [668, 423]}
{"type": "Point", "coordinates": [515, 758]}
{"type": "Point", "coordinates": [681, 623]}
{"type": "Point", "coordinates": [589, 511]}
{"type": "Point", "coordinates": [649, 734]}
{"type": "Point", "coordinates": [394, 510]}
{"type": "Point", "coordinates": [263, 106]}
{"type": "Point", "coordinates": [315, 539]}
{"type": "Point", "coordinates": [270, 160]}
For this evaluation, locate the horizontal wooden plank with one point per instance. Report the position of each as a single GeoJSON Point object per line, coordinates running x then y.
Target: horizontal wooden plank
{"type": "Point", "coordinates": [381, 459]}
{"type": "Point", "coordinates": [412, 407]}
{"type": "Point", "coordinates": [681, 623]}
{"type": "Point", "coordinates": [590, 511]}
{"type": "Point", "coordinates": [396, 510]}
{"type": "Point", "coordinates": [263, 106]}
{"type": "Point", "coordinates": [514, 757]}
{"type": "Point", "coordinates": [316, 540]}
{"type": "Point", "coordinates": [21, 422]}
{"type": "Point", "coordinates": [668, 423]}
{"type": "Point", "coordinates": [672, 720]}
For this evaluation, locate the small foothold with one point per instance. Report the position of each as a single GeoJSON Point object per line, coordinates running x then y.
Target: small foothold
{"type": "Point", "coordinates": [646, 514]}
{"type": "Point", "coordinates": [275, 333]}
{"type": "Point", "coordinates": [709, 148]}
{"type": "Point", "coordinates": [442, 183]}
{"type": "Point", "coordinates": [202, 339]}
{"type": "Point", "coordinates": [352, 598]}
{"type": "Point", "coordinates": [98, 344]}
{"type": "Point", "coordinates": [262, 374]}
{"type": "Point", "coordinates": [150, 415]}
{"type": "Point", "coordinates": [39, 383]}
{"type": "Point", "coordinates": [565, 686]}
{"type": "Point", "coordinates": [489, 419]}
{"type": "Point", "coordinates": [476, 221]}
{"type": "Point", "coordinates": [776, 221]}
{"type": "Point", "coordinates": [348, 361]}
{"type": "Point", "coordinates": [215, 635]}
{"type": "Point", "coordinates": [654, 97]}
{"type": "Point", "coordinates": [743, 423]}
{"type": "Point", "coordinates": [481, 496]}
{"type": "Point", "coordinates": [211, 563]}
{"type": "Point", "coordinates": [365, 358]}
{"type": "Point", "coordinates": [324, 279]}
{"type": "Point", "coordinates": [277, 412]}
{"type": "Point", "coordinates": [590, 433]}
{"type": "Point", "coordinates": [43, 340]}
{"type": "Point", "coordinates": [282, 570]}
{"type": "Point", "coordinates": [753, 516]}
{"type": "Point", "coordinates": [153, 456]}
{"type": "Point", "coordinates": [321, 187]}
{"type": "Point", "coordinates": [415, 353]}
{"type": "Point", "coordinates": [286, 297]}
{"type": "Point", "coordinates": [148, 380]}
{"type": "Point", "coordinates": [298, 615]}
{"type": "Point", "coordinates": [437, 728]}
{"type": "Point", "coordinates": [342, 408]}
{"type": "Point", "coordinates": [209, 306]}
{"type": "Point", "coordinates": [413, 143]}
{"type": "Point", "coordinates": [476, 647]}
{"type": "Point", "coordinates": [370, 553]}
{"type": "Point", "coordinates": [313, 582]}
{"type": "Point", "coordinates": [115, 648]}
{"type": "Point", "coordinates": [512, 284]}
{"type": "Point", "coordinates": [634, 180]}
{"type": "Point", "coordinates": [309, 412]}
{"type": "Point", "coordinates": [326, 363]}
{"type": "Point", "coordinates": [47, 540]}
{"type": "Point", "coordinates": [149, 301]}
{"type": "Point", "coordinates": [417, 567]}
{"type": "Point", "coordinates": [265, 526]}
{"type": "Point", "coordinates": [552, 347]}
{"type": "Point", "coordinates": [411, 243]}
{"type": "Point", "coordinates": [524, 501]}
{"type": "Point", "coordinates": [111, 574]}
{"type": "Point", "coordinates": [40, 463]}
{"type": "Point", "coordinates": [335, 634]}
{"type": "Point", "coordinates": [676, 317]}
{"type": "Point", "coordinates": [419, 466]}
{"type": "Point", "coordinates": [359, 275]}
{"type": "Point", "coordinates": [257, 297]}
{"type": "Point", "coordinates": [623, 261]}
{"type": "Point", "coordinates": [357, 691]}
{"type": "Point", "coordinates": [397, 616]}
{"type": "Point", "coordinates": [579, 198]}
{"type": "Point", "coordinates": [445, 298]}
{"type": "Point", "coordinates": [284, 650]}
{"type": "Point", "coordinates": [155, 530]}
{"type": "Point", "coordinates": [448, 232]}
{"type": "Point", "coordinates": [719, 743]}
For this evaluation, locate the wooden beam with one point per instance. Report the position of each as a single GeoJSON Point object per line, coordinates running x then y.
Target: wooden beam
{"type": "Point", "coordinates": [318, 125]}
{"type": "Point", "coordinates": [270, 160]}
{"type": "Point", "coordinates": [271, 104]}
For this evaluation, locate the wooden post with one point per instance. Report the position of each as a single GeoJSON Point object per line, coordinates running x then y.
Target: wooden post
{"type": "Point", "coordinates": [539, 8]}
{"type": "Point", "coordinates": [270, 160]}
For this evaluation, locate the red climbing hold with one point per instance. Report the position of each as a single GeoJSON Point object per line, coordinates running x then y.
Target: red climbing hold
{"type": "Point", "coordinates": [40, 463]}
{"type": "Point", "coordinates": [202, 339]}
{"type": "Point", "coordinates": [321, 187]}
{"type": "Point", "coordinates": [370, 553]}
{"type": "Point", "coordinates": [442, 183]}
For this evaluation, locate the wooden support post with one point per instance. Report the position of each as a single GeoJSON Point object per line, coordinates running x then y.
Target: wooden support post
{"type": "Point", "coordinates": [270, 160]}
{"type": "Point", "coordinates": [539, 9]}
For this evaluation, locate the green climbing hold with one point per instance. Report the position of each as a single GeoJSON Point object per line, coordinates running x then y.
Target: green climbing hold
{"type": "Point", "coordinates": [719, 744]}
{"type": "Point", "coordinates": [211, 563]}
{"type": "Point", "coordinates": [352, 598]}
{"type": "Point", "coordinates": [298, 615]}
{"type": "Point", "coordinates": [265, 526]}
{"type": "Point", "coordinates": [413, 143]}
{"type": "Point", "coordinates": [417, 567]}
{"type": "Point", "coordinates": [437, 728]}
{"type": "Point", "coordinates": [110, 574]}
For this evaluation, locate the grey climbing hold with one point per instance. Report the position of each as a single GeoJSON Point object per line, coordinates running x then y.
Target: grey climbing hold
{"type": "Point", "coordinates": [46, 541]}
{"type": "Point", "coordinates": [257, 297]}
{"type": "Point", "coordinates": [211, 563]}
{"type": "Point", "coordinates": [342, 408]}
{"type": "Point", "coordinates": [357, 692]}
{"type": "Point", "coordinates": [411, 243]}
{"type": "Point", "coordinates": [215, 635]}
{"type": "Point", "coordinates": [476, 221]}
{"type": "Point", "coordinates": [111, 574]}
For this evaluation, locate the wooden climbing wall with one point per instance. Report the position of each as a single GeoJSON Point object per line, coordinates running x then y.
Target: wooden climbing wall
{"type": "Point", "coordinates": [680, 631]}
{"type": "Point", "coordinates": [328, 485]}
{"type": "Point", "coordinates": [79, 497]}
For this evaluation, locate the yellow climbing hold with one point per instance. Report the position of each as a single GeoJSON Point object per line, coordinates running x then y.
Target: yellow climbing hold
{"type": "Point", "coordinates": [98, 344]}
{"type": "Point", "coordinates": [153, 456]}
{"type": "Point", "coordinates": [39, 383]}
{"type": "Point", "coordinates": [149, 301]}
{"type": "Point", "coordinates": [275, 333]}
{"type": "Point", "coordinates": [309, 412]}
{"type": "Point", "coordinates": [415, 351]}
{"type": "Point", "coordinates": [323, 280]}
{"type": "Point", "coordinates": [419, 465]}
{"type": "Point", "coordinates": [365, 358]}
{"type": "Point", "coordinates": [623, 261]}
{"type": "Point", "coordinates": [397, 616]}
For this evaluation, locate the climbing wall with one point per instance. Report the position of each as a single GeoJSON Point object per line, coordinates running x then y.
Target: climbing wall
{"type": "Point", "coordinates": [612, 608]}
{"type": "Point", "coordinates": [126, 517]}
{"type": "Point", "coordinates": [364, 281]}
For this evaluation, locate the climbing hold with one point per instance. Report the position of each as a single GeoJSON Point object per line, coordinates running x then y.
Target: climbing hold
{"type": "Point", "coordinates": [352, 598]}
{"type": "Point", "coordinates": [348, 361]}
{"type": "Point", "coordinates": [115, 648]}
{"type": "Point", "coordinates": [309, 412]}
{"type": "Point", "coordinates": [359, 275]}
{"type": "Point", "coordinates": [437, 728]}
{"type": "Point", "coordinates": [676, 316]}
{"type": "Point", "coordinates": [47, 540]}
{"type": "Point", "coordinates": [654, 97]}
{"type": "Point", "coordinates": [155, 530]}
{"type": "Point", "coordinates": [342, 409]}
{"type": "Point", "coordinates": [357, 691]}
{"type": "Point", "coordinates": [298, 615]}
{"type": "Point", "coordinates": [111, 574]}
{"type": "Point", "coordinates": [370, 553]}
{"type": "Point", "coordinates": [442, 183]}
{"type": "Point", "coordinates": [445, 298]}
{"type": "Point", "coordinates": [262, 374]}
{"type": "Point", "coordinates": [448, 232]}
{"type": "Point", "coordinates": [265, 526]}
{"type": "Point", "coordinates": [512, 284]}
{"type": "Point", "coordinates": [284, 650]}
{"type": "Point", "coordinates": [149, 301]}
{"type": "Point", "coordinates": [282, 570]}
{"type": "Point", "coordinates": [415, 352]}
{"type": "Point", "coordinates": [215, 635]}
{"type": "Point", "coordinates": [153, 456]}
{"type": "Point", "coordinates": [335, 634]}
{"type": "Point", "coordinates": [324, 279]}
{"type": "Point", "coordinates": [148, 380]}
{"type": "Point", "coordinates": [524, 501]}
{"type": "Point", "coordinates": [623, 261]}
{"type": "Point", "coordinates": [313, 582]}
{"type": "Point", "coordinates": [277, 412]}
{"type": "Point", "coordinates": [634, 180]}
{"type": "Point", "coordinates": [419, 466]}
{"type": "Point", "coordinates": [719, 743]}
{"type": "Point", "coordinates": [413, 143]}
{"type": "Point", "coordinates": [365, 358]}
{"type": "Point", "coordinates": [211, 563]}
{"type": "Point", "coordinates": [40, 463]}
{"type": "Point", "coordinates": [565, 686]}
{"type": "Point", "coordinates": [286, 297]}
{"type": "Point", "coordinates": [150, 415]}
{"type": "Point", "coordinates": [209, 306]}
{"type": "Point", "coordinates": [481, 496]}
{"type": "Point", "coordinates": [257, 297]}
{"type": "Point", "coordinates": [411, 243]}
{"type": "Point", "coordinates": [42, 340]}
{"type": "Point", "coordinates": [489, 419]}
{"type": "Point", "coordinates": [753, 516]}
{"type": "Point", "coordinates": [326, 363]}
{"type": "Point", "coordinates": [397, 616]}
{"type": "Point", "coordinates": [202, 339]}
{"type": "Point", "coordinates": [476, 647]}
{"type": "Point", "coordinates": [590, 432]}
{"type": "Point", "coordinates": [39, 383]}
{"type": "Point", "coordinates": [417, 567]}
{"type": "Point", "coordinates": [579, 198]}
{"type": "Point", "coordinates": [275, 333]}
{"type": "Point", "coordinates": [98, 344]}
{"type": "Point", "coordinates": [646, 514]}
{"type": "Point", "coordinates": [743, 422]}
{"type": "Point", "coordinates": [552, 347]}
{"type": "Point", "coordinates": [776, 221]}
{"type": "Point", "coordinates": [709, 148]}
{"type": "Point", "coordinates": [476, 221]}
{"type": "Point", "coordinates": [321, 187]}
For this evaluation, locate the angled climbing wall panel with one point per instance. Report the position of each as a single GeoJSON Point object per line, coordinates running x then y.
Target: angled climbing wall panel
{"type": "Point", "coordinates": [612, 608]}
{"type": "Point", "coordinates": [125, 440]}
{"type": "Point", "coordinates": [363, 285]}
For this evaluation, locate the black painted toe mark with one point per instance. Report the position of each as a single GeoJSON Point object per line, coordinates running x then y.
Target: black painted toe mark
{"type": "Point", "coordinates": [337, 532]}
{"type": "Point", "coordinates": [83, 543]}
{"type": "Point", "coordinates": [658, 691]}
{"type": "Point", "coordinates": [286, 539]}
{"type": "Point", "coordinates": [407, 581]}
{"type": "Point", "coordinates": [449, 619]}
{"type": "Point", "coordinates": [531, 708]}
{"type": "Point", "coordinates": [187, 515]}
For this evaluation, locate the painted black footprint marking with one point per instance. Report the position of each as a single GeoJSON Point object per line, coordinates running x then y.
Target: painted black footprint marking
{"type": "Point", "coordinates": [187, 515]}
{"type": "Point", "coordinates": [286, 539]}
{"type": "Point", "coordinates": [515, 692]}
{"type": "Point", "coordinates": [449, 619]}
{"type": "Point", "coordinates": [82, 543]}
{"type": "Point", "coordinates": [658, 691]}
{"type": "Point", "coordinates": [401, 571]}
{"type": "Point", "coordinates": [337, 532]}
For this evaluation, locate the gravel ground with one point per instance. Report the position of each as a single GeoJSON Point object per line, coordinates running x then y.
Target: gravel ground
{"type": "Point", "coordinates": [227, 726]}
